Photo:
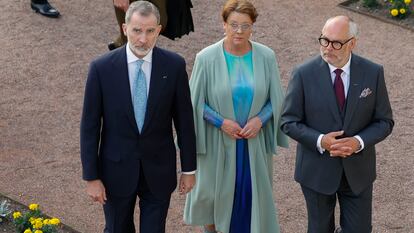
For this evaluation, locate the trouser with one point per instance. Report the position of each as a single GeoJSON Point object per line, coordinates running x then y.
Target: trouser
{"type": "Point", "coordinates": [355, 209]}
{"type": "Point", "coordinates": [119, 211]}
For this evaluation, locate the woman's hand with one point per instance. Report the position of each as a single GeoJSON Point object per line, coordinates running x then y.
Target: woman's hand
{"type": "Point", "coordinates": [252, 128]}
{"type": "Point", "coordinates": [122, 4]}
{"type": "Point", "coordinates": [231, 128]}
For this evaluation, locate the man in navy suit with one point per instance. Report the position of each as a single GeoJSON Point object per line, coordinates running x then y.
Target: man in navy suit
{"type": "Point", "coordinates": [123, 158]}
{"type": "Point", "coordinates": [337, 109]}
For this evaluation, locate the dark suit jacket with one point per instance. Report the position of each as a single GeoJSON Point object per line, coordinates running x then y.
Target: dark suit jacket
{"type": "Point", "coordinates": [310, 109]}
{"type": "Point", "coordinates": [112, 149]}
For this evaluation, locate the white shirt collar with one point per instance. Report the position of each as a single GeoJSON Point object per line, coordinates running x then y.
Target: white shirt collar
{"type": "Point", "coordinates": [346, 68]}
{"type": "Point", "coordinates": [132, 58]}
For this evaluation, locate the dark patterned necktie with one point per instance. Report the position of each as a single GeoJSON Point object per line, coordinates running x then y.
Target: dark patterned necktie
{"type": "Point", "coordinates": [339, 89]}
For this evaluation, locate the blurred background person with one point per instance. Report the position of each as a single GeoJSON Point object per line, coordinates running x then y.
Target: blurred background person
{"type": "Point", "coordinates": [43, 7]}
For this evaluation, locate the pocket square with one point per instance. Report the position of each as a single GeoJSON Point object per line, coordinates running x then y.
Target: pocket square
{"type": "Point", "coordinates": [366, 92]}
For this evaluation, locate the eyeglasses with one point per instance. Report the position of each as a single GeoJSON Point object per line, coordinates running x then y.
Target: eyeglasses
{"type": "Point", "coordinates": [337, 45]}
{"type": "Point", "coordinates": [243, 27]}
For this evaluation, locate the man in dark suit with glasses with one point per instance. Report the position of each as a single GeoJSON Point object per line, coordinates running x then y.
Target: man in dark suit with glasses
{"type": "Point", "coordinates": [337, 109]}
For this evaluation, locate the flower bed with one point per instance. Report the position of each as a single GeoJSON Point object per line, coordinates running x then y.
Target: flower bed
{"type": "Point", "coordinates": [384, 11]}
{"type": "Point", "coordinates": [19, 210]}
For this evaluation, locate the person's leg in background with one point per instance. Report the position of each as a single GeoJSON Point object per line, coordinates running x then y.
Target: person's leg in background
{"type": "Point", "coordinates": [44, 8]}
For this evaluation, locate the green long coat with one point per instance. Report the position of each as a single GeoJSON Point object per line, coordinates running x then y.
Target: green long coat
{"type": "Point", "coordinates": [211, 200]}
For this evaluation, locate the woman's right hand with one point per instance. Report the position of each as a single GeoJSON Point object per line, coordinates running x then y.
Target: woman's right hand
{"type": "Point", "coordinates": [122, 4]}
{"type": "Point", "coordinates": [231, 128]}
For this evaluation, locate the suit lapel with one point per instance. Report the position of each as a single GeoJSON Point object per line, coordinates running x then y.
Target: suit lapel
{"type": "Point", "coordinates": [121, 67]}
{"type": "Point", "coordinates": [325, 82]}
{"type": "Point", "coordinates": [158, 76]}
{"type": "Point", "coordinates": [355, 85]}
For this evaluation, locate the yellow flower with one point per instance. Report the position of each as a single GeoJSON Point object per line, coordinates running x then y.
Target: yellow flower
{"type": "Point", "coordinates": [34, 206]}
{"type": "Point", "coordinates": [38, 223]}
{"type": "Point", "coordinates": [402, 11]}
{"type": "Point", "coordinates": [46, 221]}
{"type": "Point", "coordinates": [394, 12]}
{"type": "Point", "coordinates": [407, 2]}
{"type": "Point", "coordinates": [38, 231]}
{"type": "Point", "coordinates": [28, 231]}
{"type": "Point", "coordinates": [17, 215]}
{"type": "Point", "coordinates": [54, 221]}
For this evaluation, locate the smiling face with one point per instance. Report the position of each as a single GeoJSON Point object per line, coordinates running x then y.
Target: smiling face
{"type": "Point", "coordinates": [238, 28]}
{"type": "Point", "coordinates": [337, 29]}
{"type": "Point", "coordinates": [142, 33]}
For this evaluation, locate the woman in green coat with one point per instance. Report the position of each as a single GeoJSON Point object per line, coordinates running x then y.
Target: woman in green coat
{"type": "Point", "coordinates": [237, 96]}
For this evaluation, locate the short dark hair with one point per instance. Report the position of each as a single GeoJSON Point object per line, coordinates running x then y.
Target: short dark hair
{"type": "Point", "coordinates": [239, 6]}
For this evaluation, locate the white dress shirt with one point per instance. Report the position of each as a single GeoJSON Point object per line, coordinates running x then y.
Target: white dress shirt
{"type": "Point", "coordinates": [146, 68]}
{"type": "Point", "coordinates": [346, 79]}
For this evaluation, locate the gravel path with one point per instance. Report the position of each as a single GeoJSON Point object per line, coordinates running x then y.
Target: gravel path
{"type": "Point", "coordinates": [43, 70]}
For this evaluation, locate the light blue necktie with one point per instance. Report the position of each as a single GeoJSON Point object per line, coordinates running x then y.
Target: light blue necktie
{"type": "Point", "coordinates": [139, 91]}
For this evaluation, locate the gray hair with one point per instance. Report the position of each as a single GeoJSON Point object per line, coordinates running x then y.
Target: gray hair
{"type": "Point", "coordinates": [352, 26]}
{"type": "Point", "coordinates": [144, 8]}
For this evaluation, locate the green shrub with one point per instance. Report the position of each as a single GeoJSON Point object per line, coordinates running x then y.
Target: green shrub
{"type": "Point", "coordinates": [370, 3]}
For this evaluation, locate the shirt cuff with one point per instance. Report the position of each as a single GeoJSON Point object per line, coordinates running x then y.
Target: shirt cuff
{"type": "Point", "coordinates": [188, 173]}
{"type": "Point", "coordinates": [361, 143]}
{"type": "Point", "coordinates": [318, 144]}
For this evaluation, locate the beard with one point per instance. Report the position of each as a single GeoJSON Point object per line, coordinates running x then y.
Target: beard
{"type": "Point", "coordinates": [141, 51]}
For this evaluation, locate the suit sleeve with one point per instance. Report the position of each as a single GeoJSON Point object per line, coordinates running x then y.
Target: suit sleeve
{"type": "Point", "coordinates": [293, 114]}
{"type": "Point", "coordinates": [91, 125]}
{"type": "Point", "coordinates": [184, 122]}
{"type": "Point", "coordinates": [382, 123]}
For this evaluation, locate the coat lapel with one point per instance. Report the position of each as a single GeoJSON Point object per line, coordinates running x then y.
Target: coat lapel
{"type": "Point", "coordinates": [156, 84]}
{"type": "Point", "coordinates": [259, 68]}
{"type": "Point", "coordinates": [325, 82]}
{"type": "Point", "coordinates": [121, 67]}
{"type": "Point", "coordinates": [220, 71]}
{"type": "Point", "coordinates": [355, 85]}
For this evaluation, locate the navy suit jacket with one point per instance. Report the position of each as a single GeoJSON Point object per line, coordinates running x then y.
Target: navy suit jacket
{"type": "Point", "coordinates": [113, 149]}
{"type": "Point", "coordinates": [310, 109]}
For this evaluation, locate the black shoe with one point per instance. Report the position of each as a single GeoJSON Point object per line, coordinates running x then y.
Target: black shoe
{"type": "Point", "coordinates": [45, 9]}
{"type": "Point", "coordinates": [112, 46]}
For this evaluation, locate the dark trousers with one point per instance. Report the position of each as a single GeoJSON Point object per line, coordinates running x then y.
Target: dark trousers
{"type": "Point", "coordinates": [355, 209]}
{"type": "Point", "coordinates": [39, 1]}
{"type": "Point", "coordinates": [119, 211]}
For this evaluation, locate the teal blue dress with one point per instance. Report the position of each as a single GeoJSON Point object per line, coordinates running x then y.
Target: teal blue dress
{"type": "Point", "coordinates": [241, 76]}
